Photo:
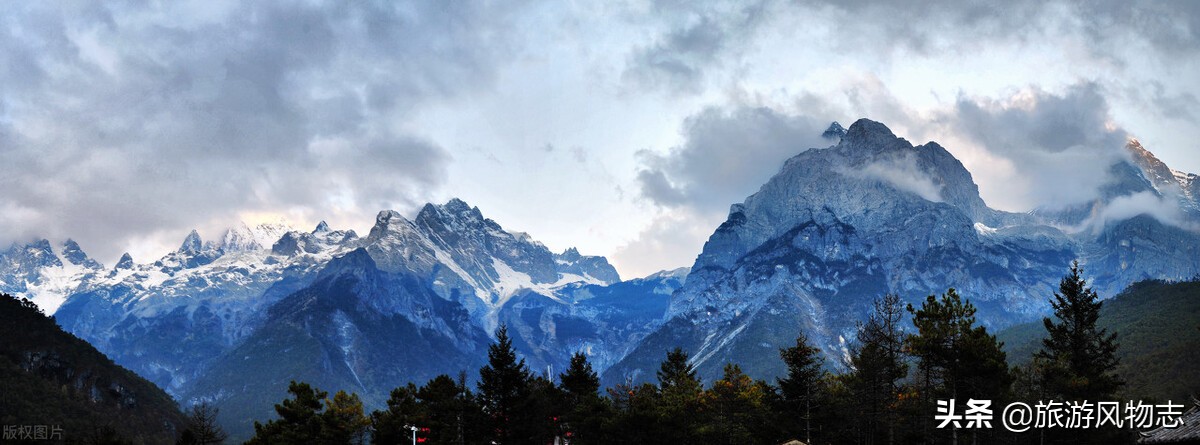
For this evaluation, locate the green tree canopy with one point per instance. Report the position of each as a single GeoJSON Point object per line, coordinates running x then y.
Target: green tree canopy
{"type": "Point", "coordinates": [1079, 358]}
{"type": "Point", "coordinates": [504, 386]}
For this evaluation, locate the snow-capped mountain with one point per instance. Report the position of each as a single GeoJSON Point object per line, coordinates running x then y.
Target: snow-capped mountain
{"type": "Point", "coordinates": [168, 318]}
{"type": "Point", "coordinates": [195, 319]}
{"type": "Point", "coordinates": [43, 274]}
{"type": "Point", "coordinates": [1170, 183]}
{"type": "Point", "coordinates": [873, 214]}
{"type": "Point", "coordinates": [228, 320]}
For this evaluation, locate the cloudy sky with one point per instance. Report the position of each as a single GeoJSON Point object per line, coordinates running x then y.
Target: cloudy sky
{"type": "Point", "coordinates": [623, 128]}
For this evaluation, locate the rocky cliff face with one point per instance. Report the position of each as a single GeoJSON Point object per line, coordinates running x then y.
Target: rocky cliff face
{"type": "Point", "coordinates": [204, 319]}
{"type": "Point", "coordinates": [836, 228]}
{"type": "Point", "coordinates": [840, 226]}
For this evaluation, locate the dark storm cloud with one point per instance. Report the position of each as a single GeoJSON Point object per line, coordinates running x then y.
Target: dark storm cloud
{"type": "Point", "coordinates": [726, 156]}
{"type": "Point", "coordinates": [124, 119]}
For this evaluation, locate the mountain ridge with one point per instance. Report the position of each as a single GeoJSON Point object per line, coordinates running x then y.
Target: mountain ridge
{"type": "Point", "coordinates": [833, 229]}
{"type": "Point", "coordinates": [839, 226]}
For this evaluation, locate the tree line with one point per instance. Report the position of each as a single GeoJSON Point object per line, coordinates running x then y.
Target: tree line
{"type": "Point", "coordinates": [896, 374]}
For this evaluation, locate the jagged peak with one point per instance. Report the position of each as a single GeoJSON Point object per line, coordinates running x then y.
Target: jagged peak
{"type": "Point", "coordinates": [571, 254]}
{"type": "Point", "coordinates": [835, 130]}
{"type": "Point", "coordinates": [868, 133]}
{"type": "Point", "coordinates": [244, 237]}
{"type": "Point", "coordinates": [192, 243]}
{"type": "Point", "coordinates": [75, 254]}
{"type": "Point", "coordinates": [322, 227]}
{"type": "Point", "coordinates": [40, 244]}
{"type": "Point", "coordinates": [385, 217]}
{"type": "Point", "coordinates": [457, 205]}
{"type": "Point", "coordinates": [126, 262]}
{"type": "Point", "coordinates": [453, 209]}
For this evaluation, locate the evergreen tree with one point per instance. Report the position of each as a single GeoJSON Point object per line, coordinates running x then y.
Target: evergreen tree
{"type": "Point", "coordinates": [739, 411]}
{"type": "Point", "coordinates": [1080, 358]}
{"type": "Point", "coordinates": [636, 416]}
{"type": "Point", "coordinates": [542, 413]}
{"type": "Point", "coordinates": [299, 418]}
{"type": "Point", "coordinates": [680, 410]}
{"type": "Point", "coordinates": [343, 421]}
{"type": "Point", "coordinates": [877, 365]}
{"type": "Point", "coordinates": [447, 409]}
{"type": "Point", "coordinates": [579, 381]}
{"type": "Point", "coordinates": [390, 425]}
{"type": "Point", "coordinates": [504, 385]}
{"type": "Point", "coordinates": [957, 360]}
{"type": "Point", "coordinates": [586, 410]}
{"type": "Point", "coordinates": [471, 426]}
{"type": "Point", "coordinates": [676, 374]}
{"type": "Point", "coordinates": [309, 417]}
{"type": "Point", "coordinates": [803, 390]}
{"type": "Point", "coordinates": [201, 427]}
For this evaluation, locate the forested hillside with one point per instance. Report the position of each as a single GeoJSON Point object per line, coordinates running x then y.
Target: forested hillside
{"type": "Point", "coordinates": [1158, 329]}
{"type": "Point", "coordinates": [57, 384]}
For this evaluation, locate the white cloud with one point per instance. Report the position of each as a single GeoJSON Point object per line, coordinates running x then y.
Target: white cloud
{"type": "Point", "coordinates": [1129, 206]}
{"type": "Point", "coordinates": [902, 173]}
{"type": "Point", "coordinates": [125, 125]}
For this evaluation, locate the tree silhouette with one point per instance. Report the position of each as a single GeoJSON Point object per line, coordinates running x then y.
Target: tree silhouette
{"type": "Point", "coordinates": [201, 427]}
{"type": "Point", "coordinates": [504, 385]}
{"type": "Point", "coordinates": [803, 388]}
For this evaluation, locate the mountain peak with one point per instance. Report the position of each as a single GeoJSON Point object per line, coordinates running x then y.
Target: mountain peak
{"type": "Point", "coordinates": [75, 255]}
{"type": "Point", "coordinates": [245, 238]}
{"type": "Point", "coordinates": [835, 130]}
{"type": "Point", "coordinates": [869, 134]}
{"type": "Point", "coordinates": [571, 254]}
{"type": "Point", "coordinates": [192, 243]}
{"type": "Point", "coordinates": [126, 262]}
{"type": "Point", "coordinates": [1155, 170]}
{"type": "Point", "coordinates": [457, 205]}
{"type": "Point", "coordinates": [322, 227]}
{"type": "Point", "coordinates": [453, 210]}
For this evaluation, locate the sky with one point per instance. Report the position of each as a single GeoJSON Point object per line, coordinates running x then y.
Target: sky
{"type": "Point", "coordinates": [625, 128]}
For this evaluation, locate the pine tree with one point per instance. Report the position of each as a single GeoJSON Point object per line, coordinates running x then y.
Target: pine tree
{"type": "Point", "coordinates": [680, 410]}
{"type": "Point", "coordinates": [1080, 358]}
{"type": "Point", "coordinates": [202, 427]}
{"type": "Point", "coordinates": [675, 374]}
{"type": "Point", "coordinates": [877, 365]}
{"type": "Point", "coordinates": [402, 409]}
{"type": "Point", "coordinates": [586, 410]}
{"type": "Point", "coordinates": [445, 407]}
{"type": "Point", "coordinates": [580, 381]}
{"type": "Point", "coordinates": [343, 421]}
{"type": "Point", "coordinates": [803, 389]}
{"type": "Point", "coordinates": [299, 418]}
{"type": "Point", "coordinates": [636, 415]}
{"type": "Point", "coordinates": [504, 385]}
{"type": "Point", "coordinates": [956, 359]}
{"type": "Point", "coordinates": [739, 413]}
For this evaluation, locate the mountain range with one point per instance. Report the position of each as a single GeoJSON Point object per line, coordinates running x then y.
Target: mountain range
{"type": "Point", "coordinates": [232, 321]}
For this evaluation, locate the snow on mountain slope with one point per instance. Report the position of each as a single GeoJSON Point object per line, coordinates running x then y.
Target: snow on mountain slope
{"type": "Point", "coordinates": [169, 319]}
{"type": "Point", "coordinates": [840, 226]}
{"type": "Point", "coordinates": [1180, 186]}
{"type": "Point", "coordinates": [472, 260]}
{"type": "Point", "coordinates": [44, 275]}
